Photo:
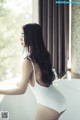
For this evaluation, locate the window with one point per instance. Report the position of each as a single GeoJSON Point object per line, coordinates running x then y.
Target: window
{"type": "Point", "coordinates": [13, 14]}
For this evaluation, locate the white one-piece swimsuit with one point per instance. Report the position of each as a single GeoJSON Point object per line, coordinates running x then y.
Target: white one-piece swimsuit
{"type": "Point", "coordinates": [48, 96]}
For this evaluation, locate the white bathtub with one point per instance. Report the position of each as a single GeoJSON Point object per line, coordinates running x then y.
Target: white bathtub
{"type": "Point", "coordinates": [23, 107]}
{"type": "Point", "coordinates": [71, 90]}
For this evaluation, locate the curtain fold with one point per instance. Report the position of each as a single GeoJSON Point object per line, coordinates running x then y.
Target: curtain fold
{"type": "Point", "coordinates": [54, 20]}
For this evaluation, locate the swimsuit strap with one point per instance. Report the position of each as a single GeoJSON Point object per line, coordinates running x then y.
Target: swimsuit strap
{"type": "Point", "coordinates": [33, 68]}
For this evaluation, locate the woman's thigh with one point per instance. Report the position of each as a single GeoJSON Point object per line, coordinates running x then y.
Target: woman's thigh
{"type": "Point", "coordinates": [46, 113]}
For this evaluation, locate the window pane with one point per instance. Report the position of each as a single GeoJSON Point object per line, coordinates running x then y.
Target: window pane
{"type": "Point", "coordinates": [13, 14]}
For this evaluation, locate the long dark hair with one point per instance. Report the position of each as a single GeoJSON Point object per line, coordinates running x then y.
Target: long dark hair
{"type": "Point", "coordinates": [33, 37]}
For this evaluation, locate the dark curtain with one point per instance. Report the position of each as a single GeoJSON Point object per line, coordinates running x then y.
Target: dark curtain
{"type": "Point", "coordinates": [54, 20]}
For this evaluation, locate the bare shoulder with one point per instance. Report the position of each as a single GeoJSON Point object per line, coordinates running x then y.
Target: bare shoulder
{"type": "Point", "coordinates": [27, 64]}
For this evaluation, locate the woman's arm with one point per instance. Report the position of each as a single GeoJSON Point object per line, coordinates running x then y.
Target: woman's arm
{"type": "Point", "coordinates": [22, 86]}
{"type": "Point", "coordinates": [15, 91]}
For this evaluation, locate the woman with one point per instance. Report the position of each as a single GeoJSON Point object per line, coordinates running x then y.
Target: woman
{"type": "Point", "coordinates": [37, 73]}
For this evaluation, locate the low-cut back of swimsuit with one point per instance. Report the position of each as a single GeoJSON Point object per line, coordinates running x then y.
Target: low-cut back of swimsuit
{"type": "Point", "coordinates": [48, 96]}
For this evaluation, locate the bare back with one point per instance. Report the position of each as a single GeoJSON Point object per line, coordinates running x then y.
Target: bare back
{"type": "Point", "coordinates": [37, 75]}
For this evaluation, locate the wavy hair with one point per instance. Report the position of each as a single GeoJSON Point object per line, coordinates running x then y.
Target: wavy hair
{"type": "Point", "coordinates": [33, 37]}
